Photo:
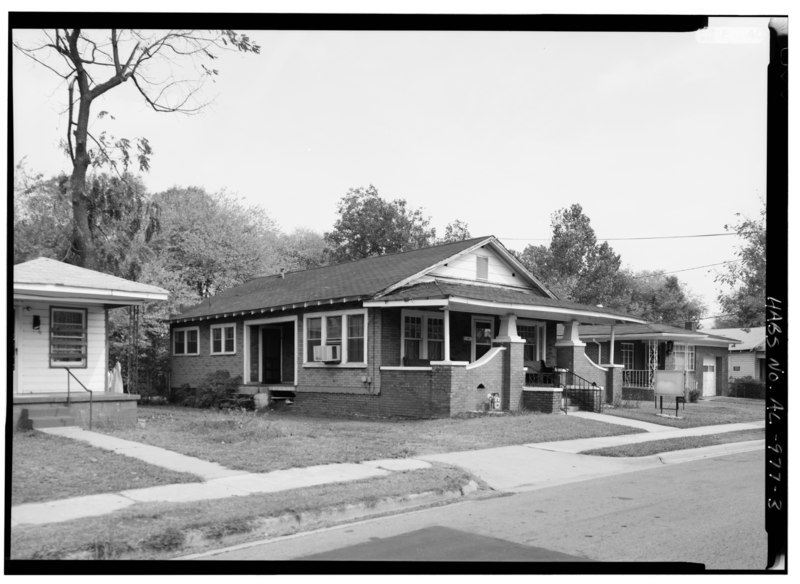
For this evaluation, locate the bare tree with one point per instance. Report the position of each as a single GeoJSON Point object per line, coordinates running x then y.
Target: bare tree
{"type": "Point", "coordinates": [93, 62]}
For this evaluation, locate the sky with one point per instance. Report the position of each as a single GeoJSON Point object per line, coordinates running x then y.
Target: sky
{"type": "Point", "coordinates": [653, 134]}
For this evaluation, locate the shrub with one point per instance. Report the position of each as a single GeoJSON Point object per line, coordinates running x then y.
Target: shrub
{"type": "Point", "coordinates": [214, 389]}
{"type": "Point", "coordinates": [694, 394]}
{"type": "Point", "coordinates": [747, 387]}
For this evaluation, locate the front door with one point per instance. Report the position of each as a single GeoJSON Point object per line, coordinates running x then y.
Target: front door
{"type": "Point", "coordinates": [709, 376]}
{"type": "Point", "coordinates": [271, 355]}
{"type": "Point", "coordinates": [482, 335]}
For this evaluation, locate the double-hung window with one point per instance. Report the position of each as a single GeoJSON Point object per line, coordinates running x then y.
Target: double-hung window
{"type": "Point", "coordinates": [346, 330]}
{"type": "Point", "coordinates": [68, 336]}
{"type": "Point", "coordinates": [422, 337]}
{"type": "Point", "coordinates": [627, 355]}
{"type": "Point", "coordinates": [185, 341]}
{"type": "Point", "coordinates": [223, 339]}
{"type": "Point", "coordinates": [684, 357]}
{"type": "Point", "coordinates": [533, 333]}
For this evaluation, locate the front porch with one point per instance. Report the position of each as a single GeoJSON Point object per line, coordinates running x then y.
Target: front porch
{"type": "Point", "coordinates": [99, 406]}
{"type": "Point", "coordinates": [532, 370]}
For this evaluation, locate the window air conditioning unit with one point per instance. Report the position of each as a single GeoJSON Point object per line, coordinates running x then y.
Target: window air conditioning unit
{"type": "Point", "coordinates": [328, 353]}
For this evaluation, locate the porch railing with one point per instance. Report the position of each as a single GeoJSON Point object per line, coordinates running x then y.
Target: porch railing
{"type": "Point", "coordinates": [637, 378]}
{"type": "Point", "coordinates": [582, 392]}
{"type": "Point", "coordinates": [91, 395]}
{"type": "Point", "coordinates": [541, 379]}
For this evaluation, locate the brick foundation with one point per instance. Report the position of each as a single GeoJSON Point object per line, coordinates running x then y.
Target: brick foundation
{"type": "Point", "coordinates": [543, 400]}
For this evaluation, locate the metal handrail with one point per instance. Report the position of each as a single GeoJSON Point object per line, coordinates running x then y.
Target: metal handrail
{"type": "Point", "coordinates": [576, 382]}
{"type": "Point", "coordinates": [91, 393]}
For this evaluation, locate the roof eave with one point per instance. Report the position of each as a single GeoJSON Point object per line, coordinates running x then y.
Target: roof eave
{"type": "Point", "coordinates": [179, 318]}
{"type": "Point", "coordinates": [78, 293]}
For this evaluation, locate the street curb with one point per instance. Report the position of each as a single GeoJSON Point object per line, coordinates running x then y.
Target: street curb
{"type": "Point", "coordinates": [289, 524]}
{"type": "Point", "coordinates": [689, 454]}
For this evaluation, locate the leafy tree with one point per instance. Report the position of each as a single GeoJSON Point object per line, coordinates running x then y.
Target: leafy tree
{"type": "Point", "coordinates": [121, 217]}
{"type": "Point", "coordinates": [369, 225]}
{"type": "Point", "coordinates": [456, 231]}
{"type": "Point", "coordinates": [42, 221]}
{"type": "Point", "coordinates": [94, 62]}
{"type": "Point", "coordinates": [657, 297]}
{"type": "Point", "coordinates": [301, 250]}
{"type": "Point", "coordinates": [212, 241]}
{"type": "Point", "coordinates": [573, 266]}
{"type": "Point", "coordinates": [743, 291]}
{"type": "Point", "coordinates": [576, 268]}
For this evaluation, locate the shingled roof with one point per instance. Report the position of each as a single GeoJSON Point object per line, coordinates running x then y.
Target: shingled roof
{"type": "Point", "coordinates": [353, 280]}
{"type": "Point", "coordinates": [494, 294]}
{"type": "Point", "coordinates": [749, 339]}
{"type": "Point", "coordinates": [652, 331]}
{"type": "Point", "coordinates": [49, 278]}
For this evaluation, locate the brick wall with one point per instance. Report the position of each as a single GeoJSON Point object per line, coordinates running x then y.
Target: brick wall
{"type": "Point", "coordinates": [191, 369]}
{"type": "Point", "coordinates": [547, 401]}
{"type": "Point", "coordinates": [469, 396]}
{"type": "Point", "coordinates": [404, 394]}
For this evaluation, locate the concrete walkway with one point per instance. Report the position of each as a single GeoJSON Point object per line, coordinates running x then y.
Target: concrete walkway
{"type": "Point", "coordinates": [509, 468]}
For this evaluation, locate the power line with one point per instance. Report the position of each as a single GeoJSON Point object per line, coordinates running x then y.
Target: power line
{"type": "Point", "coordinates": [626, 238]}
{"type": "Point", "coordinates": [685, 269]}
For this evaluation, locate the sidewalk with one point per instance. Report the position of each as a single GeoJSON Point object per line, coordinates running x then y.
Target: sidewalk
{"type": "Point", "coordinates": [509, 468]}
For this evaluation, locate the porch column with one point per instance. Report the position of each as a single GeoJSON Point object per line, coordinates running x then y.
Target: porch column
{"type": "Point", "coordinates": [569, 348]}
{"type": "Point", "coordinates": [447, 333]}
{"type": "Point", "coordinates": [508, 329]}
{"type": "Point", "coordinates": [611, 355]}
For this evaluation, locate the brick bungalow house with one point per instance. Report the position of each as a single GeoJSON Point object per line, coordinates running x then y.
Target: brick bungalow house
{"type": "Point", "coordinates": [425, 333]}
{"type": "Point", "coordinates": [644, 348]}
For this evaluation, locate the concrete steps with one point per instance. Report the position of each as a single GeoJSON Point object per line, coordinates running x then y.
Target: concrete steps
{"type": "Point", "coordinates": [46, 416]}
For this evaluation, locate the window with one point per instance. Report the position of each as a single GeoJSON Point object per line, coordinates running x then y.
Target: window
{"type": "Point", "coordinates": [344, 329]}
{"type": "Point", "coordinates": [185, 341]}
{"type": "Point", "coordinates": [627, 355]}
{"type": "Point", "coordinates": [435, 339]}
{"type": "Point", "coordinates": [223, 339]}
{"type": "Point", "coordinates": [422, 336]}
{"type": "Point", "coordinates": [68, 336]}
{"type": "Point", "coordinates": [737, 368]}
{"type": "Point", "coordinates": [482, 268]}
{"type": "Point", "coordinates": [313, 336]}
{"type": "Point", "coordinates": [684, 357]}
{"type": "Point", "coordinates": [533, 333]}
{"type": "Point", "coordinates": [355, 338]}
{"type": "Point", "coordinates": [412, 339]}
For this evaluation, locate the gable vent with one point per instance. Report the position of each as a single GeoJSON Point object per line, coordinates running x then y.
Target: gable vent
{"type": "Point", "coordinates": [482, 268]}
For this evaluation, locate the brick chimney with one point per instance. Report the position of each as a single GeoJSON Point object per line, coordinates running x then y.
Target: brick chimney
{"type": "Point", "coordinates": [691, 325]}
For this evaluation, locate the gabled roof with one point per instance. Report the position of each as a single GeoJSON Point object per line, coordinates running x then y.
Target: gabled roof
{"type": "Point", "coordinates": [45, 278]}
{"type": "Point", "coordinates": [347, 281]}
{"type": "Point", "coordinates": [653, 331]}
{"type": "Point", "coordinates": [751, 339]}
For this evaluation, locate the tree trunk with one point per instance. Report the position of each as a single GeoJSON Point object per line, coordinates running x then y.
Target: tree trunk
{"type": "Point", "coordinates": [82, 237]}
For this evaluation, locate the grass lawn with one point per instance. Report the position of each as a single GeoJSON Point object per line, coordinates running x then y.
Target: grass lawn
{"type": "Point", "coordinates": [278, 440]}
{"type": "Point", "coordinates": [166, 530]}
{"type": "Point", "coordinates": [658, 446]}
{"type": "Point", "coordinates": [706, 412]}
{"type": "Point", "coordinates": [46, 467]}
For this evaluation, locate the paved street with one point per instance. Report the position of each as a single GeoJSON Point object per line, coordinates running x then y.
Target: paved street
{"type": "Point", "coordinates": [707, 511]}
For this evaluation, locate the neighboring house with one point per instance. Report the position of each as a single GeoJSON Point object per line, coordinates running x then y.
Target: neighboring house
{"type": "Point", "coordinates": [748, 357]}
{"type": "Point", "coordinates": [60, 338]}
{"type": "Point", "coordinates": [425, 333]}
{"type": "Point", "coordinates": [643, 349]}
